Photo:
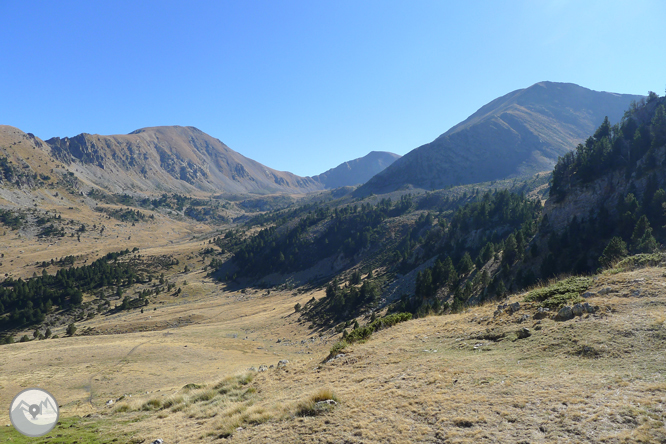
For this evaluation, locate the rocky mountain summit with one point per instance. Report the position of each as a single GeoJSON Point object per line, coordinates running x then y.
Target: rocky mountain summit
{"type": "Point", "coordinates": [518, 134]}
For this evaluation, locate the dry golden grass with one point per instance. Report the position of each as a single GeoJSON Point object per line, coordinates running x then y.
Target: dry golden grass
{"type": "Point", "coordinates": [599, 378]}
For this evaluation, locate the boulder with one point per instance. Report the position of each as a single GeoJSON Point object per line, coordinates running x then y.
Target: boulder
{"type": "Point", "coordinates": [158, 441]}
{"type": "Point", "coordinates": [588, 294]}
{"type": "Point", "coordinates": [110, 402]}
{"type": "Point", "coordinates": [564, 314]}
{"type": "Point", "coordinates": [524, 333]}
{"type": "Point", "coordinates": [263, 368]}
{"type": "Point", "coordinates": [578, 310]}
{"type": "Point", "coordinates": [514, 307]}
{"type": "Point", "coordinates": [542, 312]}
{"type": "Point", "coordinates": [524, 318]}
{"type": "Point", "coordinates": [588, 308]}
{"type": "Point", "coordinates": [606, 290]}
{"type": "Point", "coordinates": [252, 369]}
{"type": "Point", "coordinates": [282, 363]}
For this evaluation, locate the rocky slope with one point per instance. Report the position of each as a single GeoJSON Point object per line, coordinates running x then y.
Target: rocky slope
{"type": "Point", "coordinates": [171, 158]}
{"type": "Point", "coordinates": [520, 133]}
{"type": "Point", "coordinates": [357, 171]}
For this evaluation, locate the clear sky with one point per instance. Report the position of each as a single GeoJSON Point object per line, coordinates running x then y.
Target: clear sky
{"type": "Point", "coordinates": [305, 85]}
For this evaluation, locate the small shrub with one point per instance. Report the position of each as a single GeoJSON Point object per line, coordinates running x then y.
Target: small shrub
{"type": "Point", "coordinates": [575, 285]}
{"type": "Point", "coordinates": [561, 300]}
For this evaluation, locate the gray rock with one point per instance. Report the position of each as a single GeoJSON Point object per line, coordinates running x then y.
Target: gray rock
{"type": "Point", "coordinates": [339, 355]}
{"type": "Point", "coordinates": [498, 312]}
{"type": "Point", "coordinates": [578, 310]}
{"type": "Point", "coordinates": [524, 318]}
{"type": "Point", "coordinates": [606, 290]}
{"type": "Point", "coordinates": [524, 333]}
{"type": "Point", "coordinates": [564, 314]}
{"type": "Point", "coordinates": [542, 312]}
{"type": "Point", "coordinates": [588, 308]}
{"type": "Point", "coordinates": [262, 368]}
{"type": "Point", "coordinates": [635, 293]}
{"type": "Point", "coordinates": [158, 441]}
{"type": "Point", "coordinates": [271, 366]}
{"type": "Point", "coordinates": [282, 363]}
{"type": "Point", "coordinates": [110, 402]}
{"type": "Point", "coordinates": [588, 294]}
{"type": "Point", "coordinates": [326, 402]}
{"type": "Point", "coordinates": [252, 369]}
{"type": "Point", "coordinates": [279, 340]}
{"type": "Point", "coordinates": [514, 307]}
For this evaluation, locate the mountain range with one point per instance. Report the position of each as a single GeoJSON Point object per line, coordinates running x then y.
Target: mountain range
{"type": "Point", "coordinates": [518, 134]}
{"type": "Point", "coordinates": [357, 171]}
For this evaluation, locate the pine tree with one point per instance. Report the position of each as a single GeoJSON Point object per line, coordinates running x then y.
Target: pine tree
{"type": "Point", "coordinates": [642, 240]}
{"type": "Point", "coordinates": [465, 265]}
{"type": "Point", "coordinates": [614, 251]}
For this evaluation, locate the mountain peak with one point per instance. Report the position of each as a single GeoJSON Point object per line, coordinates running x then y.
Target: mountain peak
{"type": "Point", "coordinates": [520, 133]}
{"type": "Point", "coordinates": [357, 171]}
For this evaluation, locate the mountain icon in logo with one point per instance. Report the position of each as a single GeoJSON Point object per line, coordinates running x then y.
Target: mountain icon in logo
{"type": "Point", "coordinates": [34, 412]}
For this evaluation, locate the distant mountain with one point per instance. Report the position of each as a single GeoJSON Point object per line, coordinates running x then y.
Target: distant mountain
{"type": "Point", "coordinates": [171, 158]}
{"type": "Point", "coordinates": [357, 171]}
{"type": "Point", "coordinates": [518, 134]}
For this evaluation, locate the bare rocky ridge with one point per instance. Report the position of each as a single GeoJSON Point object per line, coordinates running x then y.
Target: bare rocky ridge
{"type": "Point", "coordinates": [518, 134]}
{"type": "Point", "coordinates": [357, 171]}
{"type": "Point", "coordinates": [171, 158]}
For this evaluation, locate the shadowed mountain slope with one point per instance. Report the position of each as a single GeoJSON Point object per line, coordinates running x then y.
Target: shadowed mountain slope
{"type": "Point", "coordinates": [357, 171]}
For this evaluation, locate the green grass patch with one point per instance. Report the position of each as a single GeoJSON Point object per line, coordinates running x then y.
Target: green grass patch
{"type": "Point", "coordinates": [560, 293]}
{"type": "Point", "coordinates": [69, 431]}
{"type": "Point", "coordinates": [560, 300]}
{"type": "Point", "coordinates": [640, 261]}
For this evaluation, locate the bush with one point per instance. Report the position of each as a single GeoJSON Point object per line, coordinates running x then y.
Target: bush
{"type": "Point", "coordinates": [575, 285]}
{"type": "Point", "coordinates": [71, 329]}
{"type": "Point", "coordinates": [363, 333]}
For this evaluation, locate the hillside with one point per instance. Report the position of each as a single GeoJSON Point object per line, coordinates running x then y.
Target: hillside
{"type": "Point", "coordinates": [357, 171]}
{"type": "Point", "coordinates": [206, 368]}
{"type": "Point", "coordinates": [518, 134]}
{"type": "Point", "coordinates": [173, 159]}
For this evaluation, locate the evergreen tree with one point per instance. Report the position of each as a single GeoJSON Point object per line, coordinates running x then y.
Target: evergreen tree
{"type": "Point", "coordinates": [614, 251]}
{"type": "Point", "coordinates": [465, 265]}
{"type": "Point", "coordinates": [642, 240]}
{"type": "Point", "coordinates": [71, 329]}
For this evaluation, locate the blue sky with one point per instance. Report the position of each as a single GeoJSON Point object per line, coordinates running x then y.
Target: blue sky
{"type": "Point", "coordinates": [305, 85]}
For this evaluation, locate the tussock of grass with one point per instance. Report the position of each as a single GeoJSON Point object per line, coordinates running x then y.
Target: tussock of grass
{"type": "Point", "coordinates": [152, 404]}
{"type": "Point", "coordinates": [560, 293]}
{"type": "Point", "coordinates": [122, 408]}
{"type": "Point", "coordinates": [309, 407]}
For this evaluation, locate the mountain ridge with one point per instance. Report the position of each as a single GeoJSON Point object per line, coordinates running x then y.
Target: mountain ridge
{"type": "Point", "coordinates": [155, 158]}
{"type": "Point", "coordinates": [356, 171]}
{"type": "Point", "coordinates": [518, 134]}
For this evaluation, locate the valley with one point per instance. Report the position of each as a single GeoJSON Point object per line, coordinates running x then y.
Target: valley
{"type": "Point", "coordinates": [524, 308]}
